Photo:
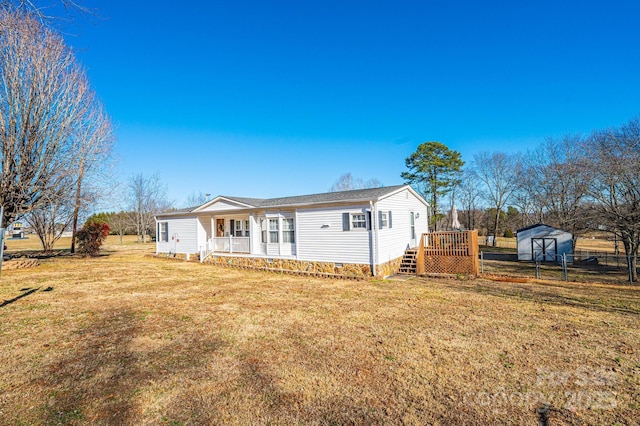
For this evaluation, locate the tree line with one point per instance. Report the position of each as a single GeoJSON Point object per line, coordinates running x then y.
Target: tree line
{"type": "Point", "coordinates": [578, 183]}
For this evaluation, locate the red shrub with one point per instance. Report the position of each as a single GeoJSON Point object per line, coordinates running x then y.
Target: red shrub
{"type": "Point", "coordinates": [91, 237]}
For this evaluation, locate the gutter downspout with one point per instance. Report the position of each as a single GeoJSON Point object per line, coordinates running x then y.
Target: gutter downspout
{"type": "Point", "coordinates": [374, 236]}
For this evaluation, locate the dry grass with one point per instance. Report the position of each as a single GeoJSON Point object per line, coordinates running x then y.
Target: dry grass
{"type": "Point", "coordinates": [127, 339]}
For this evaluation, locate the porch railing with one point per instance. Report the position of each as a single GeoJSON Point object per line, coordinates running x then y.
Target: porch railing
{"type": "Point", "coordinates": [228, 244]}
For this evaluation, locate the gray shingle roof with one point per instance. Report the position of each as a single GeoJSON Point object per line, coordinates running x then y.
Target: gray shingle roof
{"type": "Point", "coordinates": [326, 197]}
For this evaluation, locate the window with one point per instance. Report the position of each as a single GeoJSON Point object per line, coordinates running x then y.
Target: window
{"type": "Point", "coordinates": [163, 232]}
{"type": "Point", "coordinates": [263, 230]}
{"type": "Point", "coordinates": [288, 232]}
{"type": "Point", "coordinates": [273, 231]}
{"type": "Point", "coordinates": [384, 219]}
{"type": "Point", "coordinates": [358, 221]}
{"type": "Point", "coordinates": [413, 226]}
{"type": "Point", "coordinates": [246, 228]}
{"type": "Point", "coordinates": [238, 232]}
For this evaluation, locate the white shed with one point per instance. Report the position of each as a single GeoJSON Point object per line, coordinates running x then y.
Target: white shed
{"type": "Point", "coordinates": [544, 243]}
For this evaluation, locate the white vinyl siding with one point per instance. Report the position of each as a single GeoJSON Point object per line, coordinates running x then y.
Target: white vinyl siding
{"type": "Point", "coordinates": [396, 238]}
{"type": "Point", "coordinates": [321, 236]}
{"type": "Point", "coordinates": [182, 236]}
{"type": "Point", "coordinates": [221, 205]}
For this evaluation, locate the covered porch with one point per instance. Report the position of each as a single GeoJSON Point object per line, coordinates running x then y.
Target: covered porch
{"type": "Point", "coordinates": [228, 234]}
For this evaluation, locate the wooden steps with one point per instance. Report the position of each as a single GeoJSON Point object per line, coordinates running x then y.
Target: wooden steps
{"type": "Point", "coordinates": [409, 262]}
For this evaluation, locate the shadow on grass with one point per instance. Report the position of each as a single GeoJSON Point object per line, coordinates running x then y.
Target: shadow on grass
{"type": "Point", "coordinates": [98, 381]}
{"type": "Point", "coordinates": [603, 302]}
{"type": "Point", "coordinates": [27, 292]}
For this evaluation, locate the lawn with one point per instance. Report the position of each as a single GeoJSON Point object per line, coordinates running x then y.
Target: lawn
{"type": "Point", "coordinates": [129, 339]}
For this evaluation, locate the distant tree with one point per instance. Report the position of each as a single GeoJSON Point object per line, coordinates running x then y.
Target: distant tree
{"type": "Point", "coordinates": [347, 182]}
{"type": "Point", "coordinates": [50, 221]}
{"type": "Point", "coordinates": [557, 178]}
{"type": "Point", "coordinates": [499, 173]}
{"type": "Point", "coordinates": [120, 224]}
{"type": "Point", "coordinates": [469, 195]}
{"type": "Point", "coordinates": [434, 170]}
{"type": "Point", "coordinates": [195, 199]}
{"type": "Point", "coordinates": [147, 196]}
{"type": "Point", "coordinates": [614, 158]}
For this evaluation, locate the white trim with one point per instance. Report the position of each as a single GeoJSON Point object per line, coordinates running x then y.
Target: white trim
{"type": "Point", "coordinates": [220, 198]}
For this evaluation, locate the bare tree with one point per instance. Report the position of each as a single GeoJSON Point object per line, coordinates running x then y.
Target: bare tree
{"type": "Point", "coordinates": [120, 223]}
{"type": "Point", "coordinates": [614, 157]}
{"type": "Point", "coordinates": [93, 142]}
{"type": "Point", "coordinates": [499, 173]}
{"type": "Point", "coordinates": [50, 221]}
{"type": "Point", "coordinates": [41, 9]}
{"type": "Point", "coordinates": [469, 194]}
{"type": "Point", "coordinates": [44, 95]}
{"type": "Point", "coordinates": [557, 179]}
{"type": "Point", "coordinates": [347, 182]}
{"type": "Point", "coordinates": [146, 197]}
{"type": "Point", "coordinates": [196, 199]}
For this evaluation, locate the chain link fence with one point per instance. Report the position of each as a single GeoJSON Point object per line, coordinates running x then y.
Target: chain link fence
{"type": "Point", "coordinates": [584, 266]}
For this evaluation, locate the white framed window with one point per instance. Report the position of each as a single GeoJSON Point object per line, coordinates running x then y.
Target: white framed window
{"type": "Point", "coordinates": [274, 230]}
{"type": "Point", "coordinates": [263, 231]}
{"type": "Point", "coordinates": [358, 221]}
{"type": "Point", "coordinates": [246, 228]}
{"type": "Point", "coordinates": [163, 232]}
{"type": "Point", "coordinates": [384, 220]}
{"type": "Point", "coordinates": [288, 231]}
{"type": "Point", "coordinates": [238, 230]}
{"type": "Point", "coordinates": [413, 226]}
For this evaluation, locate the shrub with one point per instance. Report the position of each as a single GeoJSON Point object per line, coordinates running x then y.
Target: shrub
{"type": "Point", "coordinates": [91, 237]}
{"type": "Point", "coordinates": [508, 234]}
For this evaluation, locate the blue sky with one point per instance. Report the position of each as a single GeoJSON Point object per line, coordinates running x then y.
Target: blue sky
{"type": "Point", "coordinates": [266, 99]}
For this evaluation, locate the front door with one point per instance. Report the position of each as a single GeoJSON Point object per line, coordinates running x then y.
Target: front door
{"type": "Point", "coordinates": [219, 227]}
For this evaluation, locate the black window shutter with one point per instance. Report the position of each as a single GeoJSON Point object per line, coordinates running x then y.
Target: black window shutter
{"type": "Point", "coordinates": [232, 228]}
{"type": "Point", "coordinates": [368, 221]}
{"type": "Point", "coordinates": [346, 221]}
{"type": "Point", "coordinates": [389, 219]}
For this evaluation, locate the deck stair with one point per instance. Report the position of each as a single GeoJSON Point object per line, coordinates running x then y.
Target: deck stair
{"type": "Point", "coordinates": [409, 262]}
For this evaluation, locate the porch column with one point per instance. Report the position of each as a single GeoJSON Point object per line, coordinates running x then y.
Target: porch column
{"type": "Point", "coordinates": [251, 230]}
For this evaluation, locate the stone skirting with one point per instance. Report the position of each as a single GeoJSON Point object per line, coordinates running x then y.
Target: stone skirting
{"type": "Point", "coordinates": [347, 270]}
{"type": "Point", "coordinates": [300, 267]}
{"type": "Point", "coordinates": [389, 268]}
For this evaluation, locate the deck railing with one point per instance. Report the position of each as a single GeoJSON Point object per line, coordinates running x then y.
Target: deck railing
{"type": "Point", "coordinates": [449, 253]}
{"type": "Point", "coordinates": [447, 243]}
{"type": "Point", "coordinates": [228, 244]}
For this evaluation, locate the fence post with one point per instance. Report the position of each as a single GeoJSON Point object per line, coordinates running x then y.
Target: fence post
{"type": "Point", "coordinates": [537, 269]}
{"type": "Point", "coordinates": [482, 262]}
{"type": "Point", "coordinates": [564, 267]}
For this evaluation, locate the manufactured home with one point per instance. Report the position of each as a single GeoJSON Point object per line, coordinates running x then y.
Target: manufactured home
{"type": "Point", "coordinates": [364, 231]}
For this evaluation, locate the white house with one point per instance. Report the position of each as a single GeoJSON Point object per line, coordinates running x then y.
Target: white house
{"type": "Point", "coordinates": [366, 230]}
{"type": "Point", "coordinates": [543, 242]}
